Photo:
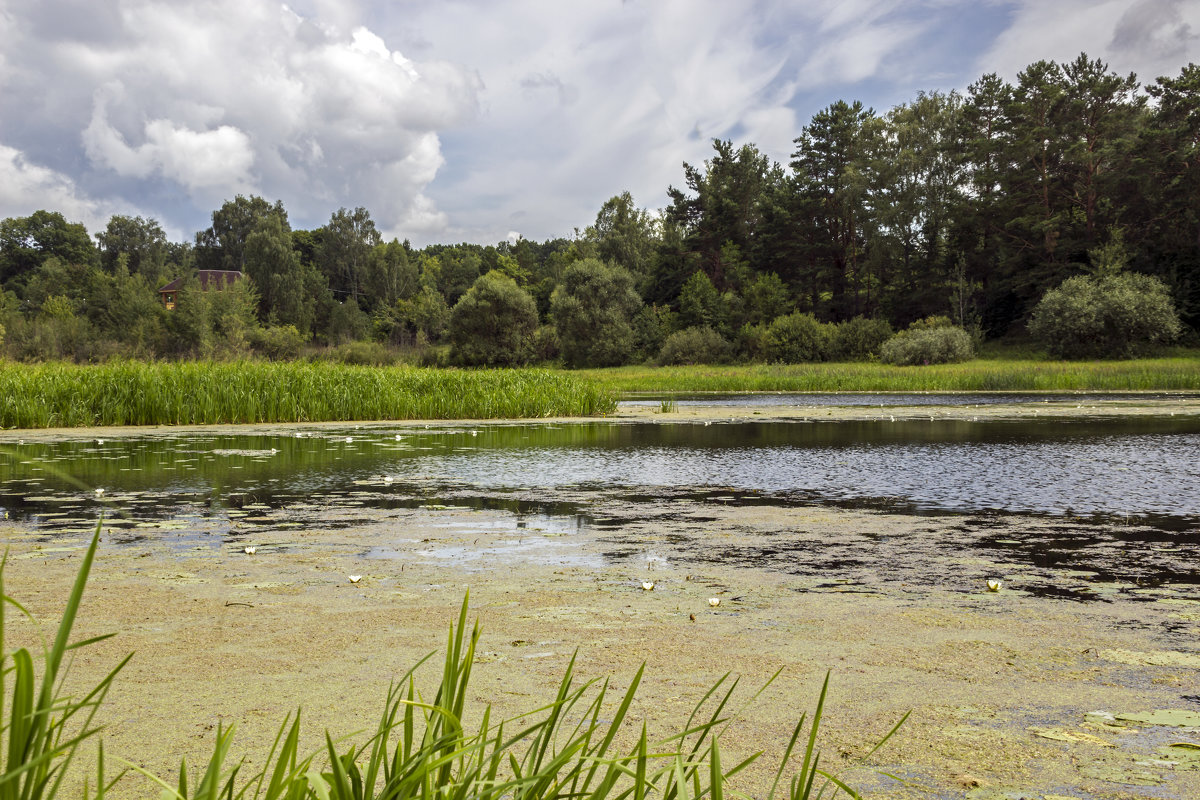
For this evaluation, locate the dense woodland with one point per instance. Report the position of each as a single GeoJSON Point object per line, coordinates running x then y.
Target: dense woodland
{"type": "Point", "coordinates": [964, 206]}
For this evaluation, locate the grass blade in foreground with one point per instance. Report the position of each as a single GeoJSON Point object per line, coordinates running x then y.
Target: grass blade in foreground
{"type": "Point", "coordinates": [43, 730]}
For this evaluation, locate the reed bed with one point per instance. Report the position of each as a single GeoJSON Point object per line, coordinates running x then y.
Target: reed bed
{"type": "Point", "coordinates": [202, 392]}
{"type": "Point", "coordinates": [980, 375]}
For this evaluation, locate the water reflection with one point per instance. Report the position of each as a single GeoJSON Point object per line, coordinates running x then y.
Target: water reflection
{"type": "Point", "coordinates": [1141, 468]}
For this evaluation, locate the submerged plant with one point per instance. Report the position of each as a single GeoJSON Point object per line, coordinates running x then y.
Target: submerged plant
{"type": "Point", "coordinates": [420, 748]}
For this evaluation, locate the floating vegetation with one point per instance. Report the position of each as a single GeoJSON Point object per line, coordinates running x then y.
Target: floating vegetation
{"type": "Point", "coordinates": [185, 393]}
{"type": "Point", "coordinates": [421, 748]}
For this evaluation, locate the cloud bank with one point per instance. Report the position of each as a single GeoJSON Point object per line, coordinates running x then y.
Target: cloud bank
{"type": "Point", "coordinates": [480, 119]}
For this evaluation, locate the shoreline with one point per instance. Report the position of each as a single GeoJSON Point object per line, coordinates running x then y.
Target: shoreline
{"type": "Point", "coordinates": [1106, 404]}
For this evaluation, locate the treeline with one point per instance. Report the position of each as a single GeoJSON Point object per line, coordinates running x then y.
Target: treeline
{"type": "Point", "coordinates": [965, 208]}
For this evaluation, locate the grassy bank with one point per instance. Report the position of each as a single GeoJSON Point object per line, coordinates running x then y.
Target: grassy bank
{"type": "Point", "coordinates": [979, 375]}
{"type": "Point", "coordinates": [182, 393]}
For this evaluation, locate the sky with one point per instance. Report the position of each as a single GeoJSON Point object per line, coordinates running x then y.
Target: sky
{"type": "Point", "coordinates": [481, 120]}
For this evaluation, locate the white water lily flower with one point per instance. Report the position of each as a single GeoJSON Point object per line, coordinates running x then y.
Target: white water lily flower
{"type": "Point", "coordinates": [355, 578]}
{"type": "Point", "coordinates": [993, 585]}
{"type": "Point", "coordinates": [648, 585]}
{"type": "Point", "coordinates": [714, 601]}
{"type": "Point", "coordinates": [349, 439]}
{"type": "Point", "coordinates": [99, 492]}
{"type": "Point", "coordinates": [251, 550]}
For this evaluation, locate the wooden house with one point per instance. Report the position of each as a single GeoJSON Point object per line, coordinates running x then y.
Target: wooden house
{"type": "Point", "coordinates": [215, 279]}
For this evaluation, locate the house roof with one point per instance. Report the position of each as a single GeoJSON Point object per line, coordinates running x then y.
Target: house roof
{"type": "Point", "coordinates": [218, 278]}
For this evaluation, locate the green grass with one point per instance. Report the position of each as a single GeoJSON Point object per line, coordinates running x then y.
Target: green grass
{"type": "Point", "coordinates": [181, 393]}
{"type": "Point", "coordinates": [568, 749]}
{"type": "Point", "coordinates": [1180, 373]}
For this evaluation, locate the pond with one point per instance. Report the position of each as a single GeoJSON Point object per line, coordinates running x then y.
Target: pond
{"type": "Point", "coordinates": [1139, 473]}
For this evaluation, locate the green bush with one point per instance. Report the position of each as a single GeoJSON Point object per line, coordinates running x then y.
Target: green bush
{"type": "Point", "coordinates": [277, 342]}
{"type": "Point", "coordinates": [545, 345]}
{"type": "Point", "coordinates": [593, 309]}
{"type": "Point", "coordinates": [751, 342]}
{"type": "Point", "coordinates": [859, 339]}
{"type": "Point", "coordinates": [1120, 315]}
{"type": "Point", "coordinates": [493, 323]}
{"type": "Point", "coordinates": [364, 354]}
{"type": "Point", "coordinates": [920, 344]}
{"type": "Point", "coordinates": [701, 345]}
{"type": "Point", "coordinates": [797, 338]}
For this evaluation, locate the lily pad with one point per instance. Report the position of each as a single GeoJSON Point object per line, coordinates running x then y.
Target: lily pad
{"type": "Point", "coordinates": [1112, 773]}
{"type": "Point", "coordinates": [1064, 735]}
{"type": "Point", "coordinates": [1173, 717]}
{"type": "Point", "coordinates": [1153, 658]}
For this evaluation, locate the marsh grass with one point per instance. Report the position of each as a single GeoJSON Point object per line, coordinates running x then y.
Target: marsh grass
{"type": "Point", "coordinates": [1179, 373]}
{"type": "Point", "coordinates": [421, 749]}
{"type": "Point", "coordinates": [181, 393]}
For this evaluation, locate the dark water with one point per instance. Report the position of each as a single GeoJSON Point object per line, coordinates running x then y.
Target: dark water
{"type": "Point", "coordinates": [1145, 469]}
{"type": "Point", "coordinates": [1118, 498]}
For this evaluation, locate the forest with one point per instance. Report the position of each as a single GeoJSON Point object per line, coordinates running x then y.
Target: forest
{"type": "Point", "coordinates": [970, 212]}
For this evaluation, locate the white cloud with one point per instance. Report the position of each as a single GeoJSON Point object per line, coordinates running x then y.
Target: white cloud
{"type": "Point", "coordinates": [1150, 37]}
{"type": "Point", "coordinates": [199, 161]}
{"type": "Point", "coordinates": [26, 187]}
{"type": "Point", "coordinates": [196, 102]}
{"type": "Point", "coordinates": [582, 101]}
{"type": "Point", "coordinates": [469, 119]}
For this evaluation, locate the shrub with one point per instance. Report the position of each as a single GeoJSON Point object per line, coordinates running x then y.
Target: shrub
{"type": "Point", "coordinates": [545, 345]}
{"type": "Point", "coordinates": [751, 342]}
{"type": "Point", "coordinates": [593, 309]}
{"type": "Point", "coordinates": [364, 354]}
{"type": "Point", "coordinates": [858, 339]}
{"type": "Point", "coordinates": [927, 345]}
{"type": "Point", "coordinates": [493, 323]}
{"type": "Point", "coordinates": [797, 338]}
{"type": "Point", "coordinates": [1118, 315]}
{"type": "Point", "coordinates": [277, 342]}
{"type": "Point", "coordinates": [701, 345]}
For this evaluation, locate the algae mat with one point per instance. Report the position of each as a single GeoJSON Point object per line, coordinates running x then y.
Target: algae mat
{"type": "Point", "coordinates": [1014, 694]}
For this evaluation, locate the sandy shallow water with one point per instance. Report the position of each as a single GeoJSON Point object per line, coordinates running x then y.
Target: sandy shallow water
{"type": "Point", "coordinates": [1000, 684]}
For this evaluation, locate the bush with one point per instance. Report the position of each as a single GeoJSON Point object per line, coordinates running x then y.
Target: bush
{"type": "Point", "coordinates": [364, 354]}
{"type": "Point", "coordinates": [927, 345]}
{"type": "Point", "coordinates": [701, 345]}
{"type": "Point", "coordinates": [797, 338]}
{"type": "Point", "coordinates": [1120, 315]}
{"type": "Point", "coordinates": [593, 309]}
{"type": "Point", "coordinates": [277, 342]}
{"type": "Point", "coordinates": [545, 345]}
{"type": "Point", "coordinates": [493, 323]}
{"type": "Point", "coordinates": [751, 342]}
{"type": "Point", "coordinates": [859, 339]}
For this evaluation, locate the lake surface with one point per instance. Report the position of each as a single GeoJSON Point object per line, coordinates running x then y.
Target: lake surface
{"type": "Point", "coordinates": [1118, 497]}
{"type": "Point", "coordinates": [1135, 468]}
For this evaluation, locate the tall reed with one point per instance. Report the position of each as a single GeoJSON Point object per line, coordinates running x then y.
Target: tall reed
{"type": "Point", "coordinates": [980, 375]}
{"type": "Point", "coordinates": [180, 393]}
